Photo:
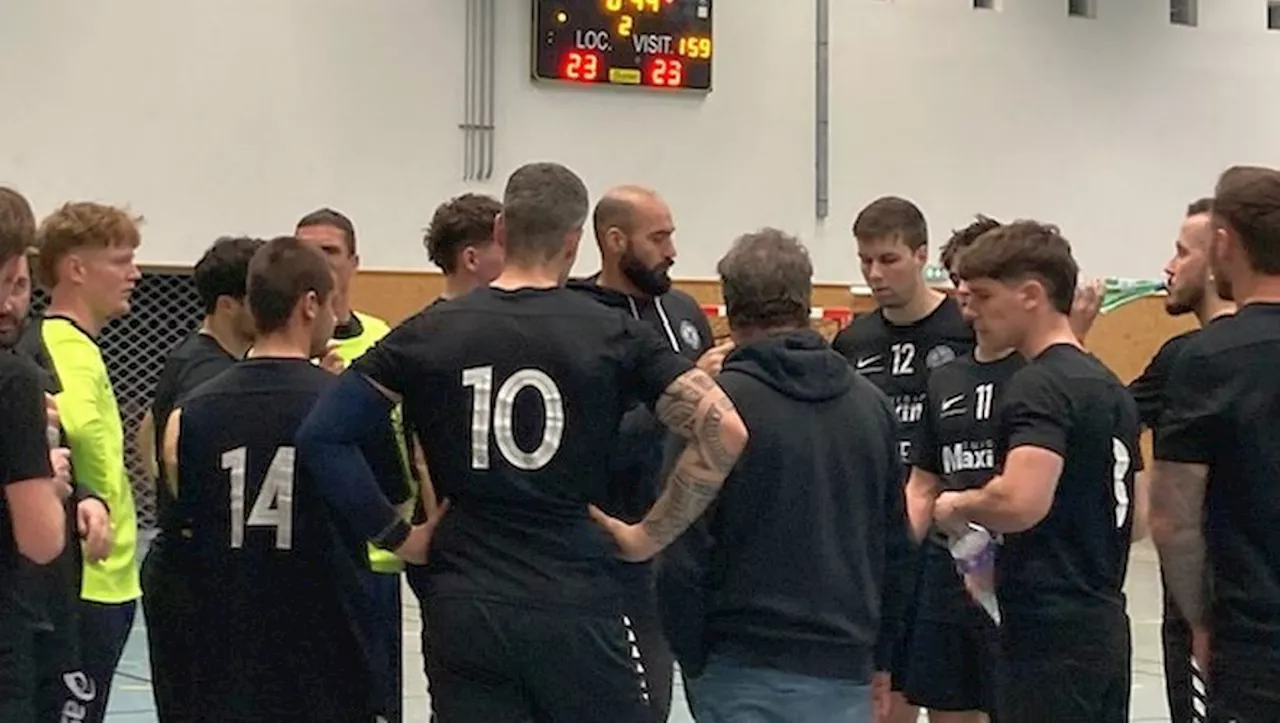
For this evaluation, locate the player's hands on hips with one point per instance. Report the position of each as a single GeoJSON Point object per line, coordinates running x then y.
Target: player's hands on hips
{"type": "Point", "coordinates": [713, 359]}
{"type": "Point", "coordinates": [634, 544]}
{"type": "Point", "coordinates": [881, 696]}
{"type": "Point", "coordinates": [417, 546]}
{"type": "Point", "coordinates": [60, 460]}
{"type": "Point", "coordinates": [94, 525]}
{"type": "Point", "coordinates": [948, 515]}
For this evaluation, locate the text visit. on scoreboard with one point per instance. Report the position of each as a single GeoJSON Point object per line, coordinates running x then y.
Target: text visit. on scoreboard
{"type": "Point", "coordinates": [643, 43]}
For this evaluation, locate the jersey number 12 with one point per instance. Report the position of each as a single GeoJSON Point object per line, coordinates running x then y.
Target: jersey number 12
{"type": "Point", "coordinates": [274, 505]}
{"type": "Point", "coordinates": [495, 414]}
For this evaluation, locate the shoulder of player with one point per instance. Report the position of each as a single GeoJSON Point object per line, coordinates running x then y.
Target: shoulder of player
{"type": "Point", "coordinates": [17, 370]}
{"type": "Point", "coordinates": [862, 330]}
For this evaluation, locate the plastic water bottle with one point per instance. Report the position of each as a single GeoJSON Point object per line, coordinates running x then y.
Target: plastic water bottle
{"type": "Point", "coordinates": [975, 554]}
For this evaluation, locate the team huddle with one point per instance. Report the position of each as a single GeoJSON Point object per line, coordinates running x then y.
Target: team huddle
{"type": "Point", "coordinates": [931, 511]}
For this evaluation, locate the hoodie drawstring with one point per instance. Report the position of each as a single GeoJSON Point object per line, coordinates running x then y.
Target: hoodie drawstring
{"type": "Point", "coordinates": [662, 314]}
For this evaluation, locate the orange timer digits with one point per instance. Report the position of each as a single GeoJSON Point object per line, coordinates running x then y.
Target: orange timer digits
{"type": "Point", "coordinates": [645, 43]}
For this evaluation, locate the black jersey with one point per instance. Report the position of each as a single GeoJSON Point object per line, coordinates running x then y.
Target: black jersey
{"type": "Point", "coordinates": [1222, 407]}
{"type": "Point", "coordinates": [276, 579]}
{"type": "Point", "coordinates": [898, 358]}
{"type": "Point", "coordinates": [956, 441]}
{"type": "Point", "coordinates": [1148, 389]}
{"type": "Point", "coordinates": [24, 450]}
{"type": "Point", "coordinates": [1067, 572]}
{"type": "Point", "coordinates": [195, 360]}
{"type": "Point", "coordinates": [516, 397]}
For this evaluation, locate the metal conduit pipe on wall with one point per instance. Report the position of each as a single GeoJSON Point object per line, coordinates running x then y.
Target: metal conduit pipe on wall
{"type": "Point", "coordinates": [822, 147]}
{"type": "Point", "coordinates": [479, 94]}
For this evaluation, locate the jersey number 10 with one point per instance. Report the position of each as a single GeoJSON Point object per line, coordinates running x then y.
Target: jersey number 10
{"type": "Point", "coordinates": [495, 415]}
{"type": "Point", "coordinates": [274, 505]}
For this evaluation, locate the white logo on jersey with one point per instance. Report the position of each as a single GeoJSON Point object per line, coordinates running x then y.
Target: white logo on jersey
{"type": "Point", "coordinates": [968, 456]}
{"type": "Point", "coordinates": [869, 365]}
{"type": "Point", "coordinates": [950, 408]}
{"type": "Point", "coordinates": [909, 407]}
{"type": "Point", "coordinates": [939, 355]}
{"type": "Point", "coordinates": [689, 334]}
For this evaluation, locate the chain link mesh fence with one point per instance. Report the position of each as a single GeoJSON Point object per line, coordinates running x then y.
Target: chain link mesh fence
{"type": "Point", "coordinates": [165, 309]}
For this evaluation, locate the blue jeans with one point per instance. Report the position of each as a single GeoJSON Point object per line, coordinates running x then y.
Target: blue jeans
{"type": "Point", "coordinates": [730, 692]}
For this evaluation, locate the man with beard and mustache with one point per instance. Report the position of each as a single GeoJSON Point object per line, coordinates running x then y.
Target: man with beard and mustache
{"type": "Point", "coordinates": [1215, 514]}
{"type": "Point", "coordinates": [54, 589]}
{"type": "Point", "coordinates": [634, 230]}
{"type": "Point", "coordinates": [1191, 291]}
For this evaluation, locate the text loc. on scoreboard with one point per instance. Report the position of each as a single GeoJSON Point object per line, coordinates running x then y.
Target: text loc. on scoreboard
{"type": "Point", "coordinates": [647, 43]}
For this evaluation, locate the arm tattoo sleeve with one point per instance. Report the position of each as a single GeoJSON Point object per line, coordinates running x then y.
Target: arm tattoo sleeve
{"type": "Point", "coordinates": [1177, 509]}
{"type": "Point", "coordinates": [695, 408]}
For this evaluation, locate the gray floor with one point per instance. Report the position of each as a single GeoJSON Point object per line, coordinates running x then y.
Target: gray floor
{"type": "Point", "coordinates": [131, 697]}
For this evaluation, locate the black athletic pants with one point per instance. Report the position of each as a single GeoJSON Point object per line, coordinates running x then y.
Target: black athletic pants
{"type": "Point", "coordinates": [510, 662]}
{"type": "Point", "coordinates": [168, 605]}
{"type": "Point", "coordinates": [655, 653]}
{"type": "Point", "coordinates": [1184, 687]}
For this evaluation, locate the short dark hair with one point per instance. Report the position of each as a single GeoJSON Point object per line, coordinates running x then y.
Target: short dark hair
{"type": "Point", "coordinates": [1023, 249]}
{"type": "Point", "coordinates": [465, 220]}
{"type": "Point", "coordinates": [542, 203]}
{"type": "Point", "coordinates": [767, 281]}
{"type": "Point", "coordinates": [892, 216]}
{"type": "Point", "coordinates": [333, 219]}
{"type": "Point", "coordinates": [223, 270]}
{"type": "Point", "coordinates": [1247, 198]}
{"type": "Point", "coordinates": [17, 225]}
{"type": "Point", "coordinates": [281, 272]}
{"type": "Point", "coordinates": [964, 238]}
{"type": "Point", "coordinates": [1199, 206]}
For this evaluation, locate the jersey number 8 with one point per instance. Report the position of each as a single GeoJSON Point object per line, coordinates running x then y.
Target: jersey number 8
{"type": "Point", "coordinates": [1120, 476]}
{"type": "Point", "coordinates": [496, 414]}
{"type": "Point", "coordinates": [273, 506]}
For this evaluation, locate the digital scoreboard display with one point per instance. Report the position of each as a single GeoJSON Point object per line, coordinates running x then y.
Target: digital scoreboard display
{"type": "Point", "coordinates": [645, 43]}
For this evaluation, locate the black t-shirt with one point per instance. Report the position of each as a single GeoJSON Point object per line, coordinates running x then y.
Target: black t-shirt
{"type": "Point", "coordinates": [1222, 409]}
{"type": "Point", "coordinates": [197, 359]}
{"type": "Point", "coordinates": [24, 446]}
{"type": "Point", "coordinates": [516, 397]}
{"type": "Point", "coordinates": [898, 358]}
{"type": "Point", "coordinates": [1067, 572]}
{"type": "Point", "coordinates": [277, 577]}
{"type": "Point", "coordinates": [956, 441]}
{"type": "Point", "coordinates": [1149, 388]}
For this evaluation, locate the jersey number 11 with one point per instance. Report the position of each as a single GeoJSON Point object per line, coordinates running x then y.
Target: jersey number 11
{"type": "Point", "coordinates": [273, 506]}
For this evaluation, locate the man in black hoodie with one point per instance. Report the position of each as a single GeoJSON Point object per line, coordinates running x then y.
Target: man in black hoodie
{"type": "Point", "coordinates": [808, 519]}
{"type": "Point", "coordinates": [634, 230]}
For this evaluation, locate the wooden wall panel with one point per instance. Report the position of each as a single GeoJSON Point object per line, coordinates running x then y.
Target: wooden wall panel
{"type": "Point", "coordinates": [1125, 339]}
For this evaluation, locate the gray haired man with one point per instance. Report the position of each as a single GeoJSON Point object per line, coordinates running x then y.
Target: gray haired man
{"type": "Point", "coordinates": [806, 521]}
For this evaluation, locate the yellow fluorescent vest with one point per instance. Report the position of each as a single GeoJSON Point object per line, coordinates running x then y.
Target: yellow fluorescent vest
{"type": "Point", "coordinates": [349, 350]}
{"type": "Point", "coordinates": [91, 420]}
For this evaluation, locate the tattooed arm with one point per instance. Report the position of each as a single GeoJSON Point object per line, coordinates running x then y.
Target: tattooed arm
{"type": "Point", "coordinates": [1177, 509]}
{"type": "Point", "coordinates": [697, 409]}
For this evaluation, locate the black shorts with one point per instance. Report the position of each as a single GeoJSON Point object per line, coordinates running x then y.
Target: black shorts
{"type": "Point", "coordinates": [900, 666]}
{"type": "Point", "coordinates": [18, 668]}
{"type": "Point", "coordinates": [509, 662]}
{"type": "Point", "coordinates": [1244, 684]}
{"type": "Point", "coordinates": [169, 607]}
{"type": "Point", "coordinates": [1087, 681]}
{"type": "Point", "coordinates": [953, 666]}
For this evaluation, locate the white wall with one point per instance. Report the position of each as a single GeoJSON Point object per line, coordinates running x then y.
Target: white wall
{"type": "Point", "coordinates": [239, 115]}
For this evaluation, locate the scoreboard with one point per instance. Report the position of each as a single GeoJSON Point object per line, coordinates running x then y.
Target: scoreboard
{"type": "Point", "coordinates": [644, 43]}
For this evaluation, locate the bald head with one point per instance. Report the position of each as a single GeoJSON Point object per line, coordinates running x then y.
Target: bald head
{"type": "Point", "coordinates": [617, 209]}
{"type": "Point", "coordinates": [634, 230]}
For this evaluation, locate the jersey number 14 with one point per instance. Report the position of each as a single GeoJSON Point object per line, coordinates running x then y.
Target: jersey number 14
{"type": "Point", "coordinates": [273, 507]}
